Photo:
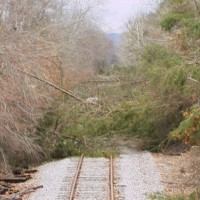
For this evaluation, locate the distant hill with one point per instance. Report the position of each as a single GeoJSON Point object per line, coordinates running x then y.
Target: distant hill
{"type": "Point", "coordinates": [115, 38]}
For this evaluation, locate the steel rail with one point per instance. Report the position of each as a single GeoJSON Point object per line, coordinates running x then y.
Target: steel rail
{"type": "Point", "coordinates": [75, 180]}
{"type": "Point", "coordinates": [111, 181]}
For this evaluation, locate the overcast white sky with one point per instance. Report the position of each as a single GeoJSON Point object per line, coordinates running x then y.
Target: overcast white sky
{"type": "Point", "coordinates": [117, 12]}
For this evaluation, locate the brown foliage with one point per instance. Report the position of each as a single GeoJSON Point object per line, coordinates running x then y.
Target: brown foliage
{"type": "Point", "coordinates": [23, 99]}
{"type": "Point", "coordinates": [40, 38]}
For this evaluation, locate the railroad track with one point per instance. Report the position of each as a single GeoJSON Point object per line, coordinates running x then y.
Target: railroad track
{"type": "Point", "coordinates": [93, 180]}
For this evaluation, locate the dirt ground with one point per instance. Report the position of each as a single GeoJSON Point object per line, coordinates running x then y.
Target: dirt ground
{"type": "Point", "coordinates": [180, 173]}
{"type": "Point", "coordinates": [14, 189]}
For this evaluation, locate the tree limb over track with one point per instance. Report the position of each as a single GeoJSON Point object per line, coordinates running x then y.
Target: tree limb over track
{"type": "Point", "coordinates": [69, 93]}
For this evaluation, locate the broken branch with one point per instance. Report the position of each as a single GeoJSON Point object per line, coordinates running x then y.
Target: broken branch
{"type": "Point", "coordinates": [69, 93]}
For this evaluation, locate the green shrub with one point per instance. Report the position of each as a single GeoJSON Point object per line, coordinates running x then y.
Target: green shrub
{"type": "Point", "coordinates": [176, 1]}
{"type": "Point", "coordinates": [193, 196]}
{"type": "Point", "coordinates": [192, 28]}
{"type": "Point", "coordinates": [180, 10]}
{"type": "Point", "coordinates": [189, 129]}
{"type": "Point", "coordinates": [175, 79]}
{"type": "Point", "coordinates": [170, 20]}
{"type": "Point", "coordinates": [161, 196]}
{"type": "Point", "coordinates": [82, 131]}
{"type": "Point", "coordinates": [156, 55]}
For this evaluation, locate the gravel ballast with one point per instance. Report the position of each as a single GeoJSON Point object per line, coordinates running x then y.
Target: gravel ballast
{"type": "Point", "coordinates": [54, 176]}
{"type": "Point", "coordinates": [135, 177]}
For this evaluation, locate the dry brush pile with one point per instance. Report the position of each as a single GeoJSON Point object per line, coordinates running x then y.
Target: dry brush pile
{"type": "Point", "coordinates": [41, 41]}
{"type": "Point", "coordinates": [23, 98]}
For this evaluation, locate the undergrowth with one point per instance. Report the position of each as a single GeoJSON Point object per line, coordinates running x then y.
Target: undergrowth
{"type": "Point", "coordinates": [189, 129]}
{"type": "Point", "coordinates": [66, 131]}
{"type": "Point", "coordinates": [193, 196]}
{"type": "Point", "coordinates": [147, 102]}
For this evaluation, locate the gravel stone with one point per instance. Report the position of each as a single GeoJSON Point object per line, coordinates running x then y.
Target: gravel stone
{"type": "Point", "coordinates": [137, 176]}
{"type": "Point", "coordinates": [54, 176]}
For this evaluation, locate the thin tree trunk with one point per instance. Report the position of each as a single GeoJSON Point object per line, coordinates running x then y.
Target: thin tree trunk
{"type": "Point", "coordinates": [69, 93]}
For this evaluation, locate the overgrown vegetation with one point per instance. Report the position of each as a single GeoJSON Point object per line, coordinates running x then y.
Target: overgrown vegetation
{"type": "Point", "coordinates": [153, 99]}
{"type": "Point", "coordinates": [69, 131]}
{"type": "Point", "coordinates": [167, 56]}
{"type": "Point", "coordinates": [193, 196]}
{"type": "Point", "coordinates": [44, 45]}
{"type": "Point", "coordinates": [147, 101]}
{"type": "Point", "coordinates": [188, 130]}
{"type": "Point", "coordinates": [170, 69]}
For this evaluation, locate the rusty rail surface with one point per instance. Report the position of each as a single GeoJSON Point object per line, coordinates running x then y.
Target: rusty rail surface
{"type": "Point", "coordinates": [111, 181]}
{"type": "Point", "coordinates": [77, 174]}
{"type": "Point", "coordinates": [75, 180]}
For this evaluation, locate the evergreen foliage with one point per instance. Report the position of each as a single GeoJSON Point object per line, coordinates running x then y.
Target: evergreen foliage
{"type": "Point", "coordinates": [189, 129]}
{"type": "Point", "coordinates": [170, 21]}
{"type": "Point", "coordinates": [157, 55]}
{"type": "Point", "coordinates": [149, 101]}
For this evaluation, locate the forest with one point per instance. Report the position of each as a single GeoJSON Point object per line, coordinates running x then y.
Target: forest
{"type": "Point", "coordinates": [65, 88]}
